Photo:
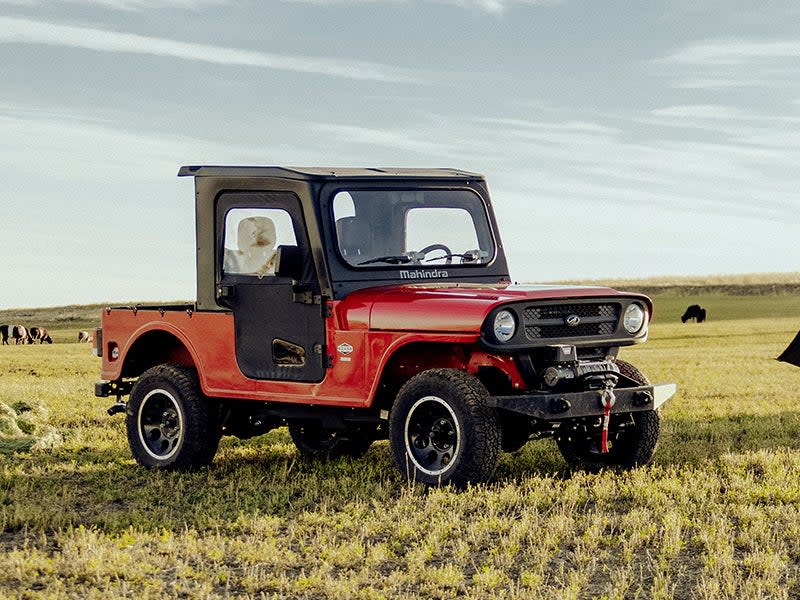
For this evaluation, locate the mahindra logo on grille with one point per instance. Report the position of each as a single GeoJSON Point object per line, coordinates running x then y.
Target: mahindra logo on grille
{"type": "Point", "coordinates": [572, 321]}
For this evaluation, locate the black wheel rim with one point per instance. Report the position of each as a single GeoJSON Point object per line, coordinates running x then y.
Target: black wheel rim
{"type": "Point", "coordinates": [432, 435]}
{"type": "Point", "coordinates": [161, 426]}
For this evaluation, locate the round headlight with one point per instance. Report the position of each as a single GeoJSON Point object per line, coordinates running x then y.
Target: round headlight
{"type": "Point", "coordinates": [634, 319]}
{"type": "Point", "coordinates": [504, 326]}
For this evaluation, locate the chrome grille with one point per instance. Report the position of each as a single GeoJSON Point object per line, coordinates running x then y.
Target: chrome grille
{"type": "Point", "coordinates": [549, 321]}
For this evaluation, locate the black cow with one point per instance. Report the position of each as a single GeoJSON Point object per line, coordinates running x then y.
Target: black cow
{"type": "Point", "coordinates": [696, 312]}
{"type": "Point", "coordinates": [792, 353]}
{"type": "Point", "coordinates": [41, 335]}
{"type": "Point", "coordinates": [4, 334]}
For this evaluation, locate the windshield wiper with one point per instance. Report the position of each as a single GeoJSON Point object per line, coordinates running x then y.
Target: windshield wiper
{"type": "Point", "coordinates": [470, 256]}
{"type": "Point", "coordinates": [392, 259]}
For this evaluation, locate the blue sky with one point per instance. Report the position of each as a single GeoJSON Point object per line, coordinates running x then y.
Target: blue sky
{"type": "Point", "coordinates": [623, 139]}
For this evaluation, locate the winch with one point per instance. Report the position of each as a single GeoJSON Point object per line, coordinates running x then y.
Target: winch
{"type": "Point", "coordinates": [596, 374]}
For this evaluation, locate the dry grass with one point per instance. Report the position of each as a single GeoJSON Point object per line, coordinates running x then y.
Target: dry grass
{"type": "Point", "coordinates": [716, 516]}
{"type": "Point", "coordinates": [744, 279]}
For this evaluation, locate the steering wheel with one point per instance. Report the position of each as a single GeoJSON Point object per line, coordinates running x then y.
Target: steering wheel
{"type": "Point", "coordinates": [433, 247]}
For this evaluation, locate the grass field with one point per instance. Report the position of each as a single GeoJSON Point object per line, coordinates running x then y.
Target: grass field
{"type": "Point", "coordinates": [717, 515]}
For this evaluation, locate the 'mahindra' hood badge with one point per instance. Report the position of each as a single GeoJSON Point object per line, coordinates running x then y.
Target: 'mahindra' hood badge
{"type": "Point", "coordinates": [572, 321]}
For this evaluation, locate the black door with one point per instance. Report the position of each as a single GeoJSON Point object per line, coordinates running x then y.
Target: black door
{"type": "Point", "coordinates": [278, 322]}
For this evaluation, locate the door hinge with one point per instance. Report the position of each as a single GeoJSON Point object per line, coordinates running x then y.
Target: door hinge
{"type": "Point", "coordinates": [303, 297]}
{"type": "Point", "coordinates": [327, 359]}
{"type": "Point", "coordinates": [327, 308]}
{"type": "Point", "coordinates": [306, 298]}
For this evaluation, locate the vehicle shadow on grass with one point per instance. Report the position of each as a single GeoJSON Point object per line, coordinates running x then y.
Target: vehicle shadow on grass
{"type": "Point", "coordinates": [685, 442]}
{"type": "Point", "coordinates": [688, 441]}
{"type": "Point", "coordinates": [80, 486]}
{"type": "Point", "coordinates": [112, 493]}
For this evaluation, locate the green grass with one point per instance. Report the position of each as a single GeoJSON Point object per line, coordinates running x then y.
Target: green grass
{"type": "Point", "coordinates": [717, 515]}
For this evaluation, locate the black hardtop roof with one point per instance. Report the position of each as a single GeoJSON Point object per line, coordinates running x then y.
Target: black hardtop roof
{"type": "Point", "coordinates": [324, 173]}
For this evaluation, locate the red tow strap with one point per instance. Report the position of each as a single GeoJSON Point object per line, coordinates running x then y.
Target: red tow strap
{"type": "Point", "coordinates": [607, 400]}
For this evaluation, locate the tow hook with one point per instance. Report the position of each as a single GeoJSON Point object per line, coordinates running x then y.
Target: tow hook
{"type": "Point", "coordinates": [607, 400]}
{"type": "Point", "coordinates": [117, 407]}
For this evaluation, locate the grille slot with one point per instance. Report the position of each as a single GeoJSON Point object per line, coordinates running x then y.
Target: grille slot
{"type": "Point", "coordinates": [549, 321]}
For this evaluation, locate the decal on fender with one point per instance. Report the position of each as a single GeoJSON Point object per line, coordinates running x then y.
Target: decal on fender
{"type": "Point", "coordinates": [344, 348]}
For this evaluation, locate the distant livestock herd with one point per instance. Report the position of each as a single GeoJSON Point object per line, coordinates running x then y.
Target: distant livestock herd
{"type": "Point", "coordinates": [22, 335]}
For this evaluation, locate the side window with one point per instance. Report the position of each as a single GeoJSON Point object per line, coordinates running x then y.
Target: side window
{"type": "Point", "coordinates": [251, 238]}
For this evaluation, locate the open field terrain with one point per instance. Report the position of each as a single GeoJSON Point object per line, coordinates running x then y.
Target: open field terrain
{"type": "Point", "coordinates": [717, 515]}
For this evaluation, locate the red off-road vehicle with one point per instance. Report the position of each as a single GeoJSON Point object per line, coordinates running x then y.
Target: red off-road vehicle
{"type": "Point", "coordinates": [359, 304]}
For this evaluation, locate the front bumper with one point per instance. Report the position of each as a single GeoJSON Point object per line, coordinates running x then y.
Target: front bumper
{"type": "Point", "coordinates": [559, 407]}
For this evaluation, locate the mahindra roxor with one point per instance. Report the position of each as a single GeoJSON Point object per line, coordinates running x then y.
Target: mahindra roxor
{"type": "Point", "coordinates": [358, 304]}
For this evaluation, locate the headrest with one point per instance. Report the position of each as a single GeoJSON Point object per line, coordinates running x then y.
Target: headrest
{"type": "Point", "coordinates": [256, 232]}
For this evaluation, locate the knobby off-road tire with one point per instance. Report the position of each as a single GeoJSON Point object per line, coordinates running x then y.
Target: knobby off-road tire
{"type": "Point", "coordinates": [629, 448]}
{"type": "Point", "coordinates": [312, 441]}
{"type": "Point", "coordinates": [442, 430]}
{"type": "Point", "coordinates": [170, 424]}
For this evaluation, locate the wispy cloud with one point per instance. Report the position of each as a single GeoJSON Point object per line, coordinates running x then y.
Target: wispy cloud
{"type": "Point", "coordinates": [729, 83]}
{"type": "Point", "coordinates": [499, 6]}
{"type": "Point", "coordinates": [412, 141]}
{"type": "Point", "coordinates": [733, 52]}
{"type": "Point", "coordinates": [732, 63]}
{"type": "Point", "coordinates": [700, 111]}
{"type": "Point", "coordinates": [25, 31]}
{"type": "Point", "coordinates": [15, 111]}
{"type": "Point", "coordinates": [728, 119]}
{"type": "Point", "coordinates": [124, 5]}
{"type": "Point", "coordinates": [570, 126]}
{"type": "Point", "coordinates": [496, 7]}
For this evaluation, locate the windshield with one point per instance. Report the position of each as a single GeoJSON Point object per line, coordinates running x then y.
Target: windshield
{"type": "Point", "coordinates": [379, 228]}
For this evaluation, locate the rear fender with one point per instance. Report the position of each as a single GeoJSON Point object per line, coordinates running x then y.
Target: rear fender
{"type": "Point", "coordinates": [154, 347]}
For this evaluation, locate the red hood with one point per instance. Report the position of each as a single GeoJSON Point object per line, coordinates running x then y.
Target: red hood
{"type": "Point", "coordinates": [450, 307]}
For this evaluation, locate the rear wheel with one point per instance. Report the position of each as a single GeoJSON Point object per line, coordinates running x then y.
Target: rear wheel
{"type": "Point", "coordinates": [170, 424]}
{"type": "Point", "coordinates": [632, 445]}
{"type": "Point", "coordinates": [442, 430]}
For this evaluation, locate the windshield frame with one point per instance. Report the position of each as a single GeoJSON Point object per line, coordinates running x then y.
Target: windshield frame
{"type": "Point", "coordinates": [345, 278]}
{"type": "Point", "coordinates": [477, 223]}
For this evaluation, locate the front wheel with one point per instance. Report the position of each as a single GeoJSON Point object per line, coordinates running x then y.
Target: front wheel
{"type": "Point", "coordinates": [442, 430]}
{"type": "Point", "coordinates": [633, 444]}
{"type": "Point", "coordinates": [170, 424]}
